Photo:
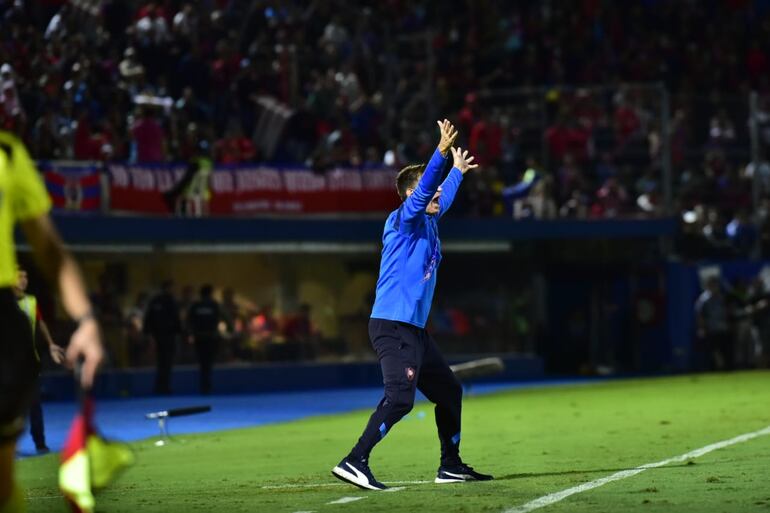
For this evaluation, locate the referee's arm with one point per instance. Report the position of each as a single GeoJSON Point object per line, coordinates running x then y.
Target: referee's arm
{"type": "Point", "coordinates": [60, 269]}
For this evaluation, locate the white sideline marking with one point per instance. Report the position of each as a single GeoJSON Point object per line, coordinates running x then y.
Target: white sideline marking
{"type": "Point", "coordinates": [552, 498]}
{"type": "Point", "coordinates": [324, 485]}
{"type": "Point", "coordinates": [308, 485]}
{"type": "Point", "coordinates": [395, 489]}
{"type": "Point", "coordinates": [345, 500]}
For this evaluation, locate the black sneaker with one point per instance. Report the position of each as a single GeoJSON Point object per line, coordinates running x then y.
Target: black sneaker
{"type": "Point", "coordinates": [42, 449]}
{"type": "Point", "coordinates": [356, 472]}
{"type": "Point", "coordinates": [459, 473]}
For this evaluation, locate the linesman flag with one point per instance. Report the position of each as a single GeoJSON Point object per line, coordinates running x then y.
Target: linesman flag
{"type": "Point", "coordinates": [88, 461]}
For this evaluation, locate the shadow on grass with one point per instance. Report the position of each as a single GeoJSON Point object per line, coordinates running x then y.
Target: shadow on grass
{"type": "Point", "coordinates": [584, 471]}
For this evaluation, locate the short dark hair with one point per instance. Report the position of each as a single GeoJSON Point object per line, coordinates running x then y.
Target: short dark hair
{"type": "Point", "coordinates": [206, 290]}
{"type": "Point", "coordinates": [407, 178]}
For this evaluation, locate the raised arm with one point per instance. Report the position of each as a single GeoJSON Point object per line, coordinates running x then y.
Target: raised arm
{"type": "Point", "coordinates": [462, 164]}
{"type": "Point", "coordinates": [519, 190]}
{"type": "Point", "coordinates": [417, 201]}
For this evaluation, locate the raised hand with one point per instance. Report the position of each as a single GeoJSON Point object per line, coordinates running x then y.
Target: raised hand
{"type": "Point", "coordinates": [462, 160]}
{"type": "Point", "coordinates": [448, 136]}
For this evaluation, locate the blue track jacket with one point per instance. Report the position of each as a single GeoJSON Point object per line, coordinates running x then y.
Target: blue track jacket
{"type": "Point", "coordinates": [411, 250]}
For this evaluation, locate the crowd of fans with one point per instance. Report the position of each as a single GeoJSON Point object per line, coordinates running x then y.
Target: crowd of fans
{"type": "Point", "coordinates": [330, 82]}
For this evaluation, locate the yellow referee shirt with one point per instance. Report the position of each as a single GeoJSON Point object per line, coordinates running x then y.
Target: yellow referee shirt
{"type": "Point", "coordinates": [22, 196]}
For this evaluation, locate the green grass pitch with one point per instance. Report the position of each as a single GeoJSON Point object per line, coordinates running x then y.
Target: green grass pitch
{"type": "Point", "coordinates": [536, 442]}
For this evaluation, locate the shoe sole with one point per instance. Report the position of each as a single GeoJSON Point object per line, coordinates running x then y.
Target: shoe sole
{"type": "Point", "coordinates": [447, 480]}
{"type": "Point", "coordinates": [344, 475]}
{"type": "Point", "coordinates": [441, 480]}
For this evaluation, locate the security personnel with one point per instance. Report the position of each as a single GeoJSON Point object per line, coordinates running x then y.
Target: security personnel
{"type": "Point", "coordinates": [23, 199]}
{"type": "Point", "coordinates": [162, 323]}
{"type": "Point", "coordinates": [203, 320]}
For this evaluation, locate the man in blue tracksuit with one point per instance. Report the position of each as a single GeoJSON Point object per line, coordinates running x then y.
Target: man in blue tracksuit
{"type": "Point", "coordinates": [408, 355]}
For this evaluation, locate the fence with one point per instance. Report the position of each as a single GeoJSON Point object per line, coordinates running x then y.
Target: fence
{"type": "Point", "coordinates": [626, 150]}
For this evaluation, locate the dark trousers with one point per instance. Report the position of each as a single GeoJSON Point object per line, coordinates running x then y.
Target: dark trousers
{"type": "Point", "coordinates": [18, 367]}
{"type": "Point", "coordinates": [36, 425]}
{"type": "Point", "coordinates": [721, 350]}
{"type": "Point", "coordinates": [206, 347]}
{"type": "Point", "coordinates": [165, 347]}
{"type": "Point", "coordinates": [410, 360]}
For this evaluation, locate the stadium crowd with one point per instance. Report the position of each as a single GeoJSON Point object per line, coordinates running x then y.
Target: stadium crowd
{"type": "Point", "coordinates": [325, 84]}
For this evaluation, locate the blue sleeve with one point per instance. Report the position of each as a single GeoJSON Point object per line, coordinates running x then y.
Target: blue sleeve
{"type": "Point", "coordinates": [449, 189]}
{"type": "Point", "coordinates": [519, 190]}
{"type": "Point", "coordinates": [416, 204]}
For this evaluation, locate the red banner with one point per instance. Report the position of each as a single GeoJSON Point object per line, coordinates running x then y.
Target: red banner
{"type": "Point", "coordinates": [249, 190]}
{"type": "Point", "coordinates": [136, 188]}
{"type": "Point", "coordinates": [73, 185]}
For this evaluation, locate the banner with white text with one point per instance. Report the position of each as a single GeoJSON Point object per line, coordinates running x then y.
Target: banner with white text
{"type": "Point", "coordinates": [247, 190]}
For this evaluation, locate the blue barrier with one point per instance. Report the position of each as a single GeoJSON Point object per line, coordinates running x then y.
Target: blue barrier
{"type": "Point", "coordinates": [80, 229]}
{"type": "Point", "coordinates": [262, 378]}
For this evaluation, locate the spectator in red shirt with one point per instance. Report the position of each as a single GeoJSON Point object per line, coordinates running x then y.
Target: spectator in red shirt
{"type": "Point", "coordinates": [486, 140]}
{"type": "Point", "coordinates": [557, 138]}
{"type": "Point", "coordinates": [263, 327]}
{"type": "Point", "coordinates": [148, 137]}
{"type": "Point", "coordinates": [101, 147]}
{"type": "Point", "coordinates": [234, 148]}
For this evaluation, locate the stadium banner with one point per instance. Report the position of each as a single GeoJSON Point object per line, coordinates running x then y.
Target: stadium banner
{"type": "Point", "coordinates": [73, 185]}
{"type": "Point", "coordinates": [140, 188]}
{"type": "Point", "coordinates": [245, 190]}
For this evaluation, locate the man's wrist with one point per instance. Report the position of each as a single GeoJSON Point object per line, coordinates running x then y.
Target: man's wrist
{"type": "Point", "coordinates": [88, 316]}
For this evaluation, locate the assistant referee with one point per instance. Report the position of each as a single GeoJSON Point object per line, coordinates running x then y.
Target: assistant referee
{"type": "Point", "coordinates": [23, 199]}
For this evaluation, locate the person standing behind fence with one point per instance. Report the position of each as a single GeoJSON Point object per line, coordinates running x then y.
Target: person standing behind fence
{"type": "Point", "coordinates": [203, 319]}
{"type": "Point", "coordinates": [162, 323]}
{"type": "Point", "coordinates": [714, 327]}
{"type": "Point", "coordinates": [28, 304]}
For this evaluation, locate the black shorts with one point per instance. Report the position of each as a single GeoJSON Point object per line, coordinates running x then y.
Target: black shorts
{"type": "Point", "coordinates": [18, 366]}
